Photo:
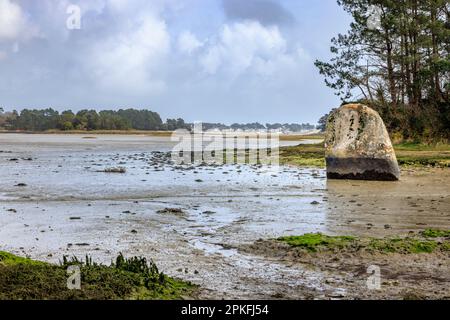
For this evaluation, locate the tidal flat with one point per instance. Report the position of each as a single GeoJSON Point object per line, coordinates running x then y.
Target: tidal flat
{"type": "Point", "coordinates": [197, 223]}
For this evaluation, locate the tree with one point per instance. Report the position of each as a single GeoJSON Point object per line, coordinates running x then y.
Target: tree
{"type": "Point", "coordinates": [401, 68]}
{"type": "Point", "coordinates": [324, 120]}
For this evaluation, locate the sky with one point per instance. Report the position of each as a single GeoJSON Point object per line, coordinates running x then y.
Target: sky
{"type": "Point", "coordinates": [202, 60]}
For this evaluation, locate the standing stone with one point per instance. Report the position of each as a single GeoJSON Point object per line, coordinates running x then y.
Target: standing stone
{"type": "Point", "coordinates": [358, 146]}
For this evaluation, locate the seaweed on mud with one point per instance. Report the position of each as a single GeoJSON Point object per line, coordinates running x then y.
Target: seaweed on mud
{"type": "Point", "coordinates": [421, 243]}
{"type": "Point", "coordinates": [435, 233]}
{"type": "Point", "coordinates": [315, 241]}
{"type": "Point", "coordinates": [133, 278]}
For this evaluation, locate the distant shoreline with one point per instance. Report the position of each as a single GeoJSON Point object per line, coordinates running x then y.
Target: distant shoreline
{"type": "Point", "coordinates": [283, 137]}
{"type": "Point", "coordinates": [95, 132]}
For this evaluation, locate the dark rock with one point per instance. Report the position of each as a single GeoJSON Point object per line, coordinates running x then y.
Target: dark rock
{"type": "Point", "coordinates": [21, 185]}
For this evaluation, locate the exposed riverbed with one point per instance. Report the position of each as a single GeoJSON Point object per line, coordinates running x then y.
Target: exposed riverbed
{"type": "Point", "coordinates": [54, 201]}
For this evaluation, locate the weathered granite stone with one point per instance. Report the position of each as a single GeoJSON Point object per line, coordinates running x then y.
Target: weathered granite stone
{"type": "Point", "coordinates": [358, 146]}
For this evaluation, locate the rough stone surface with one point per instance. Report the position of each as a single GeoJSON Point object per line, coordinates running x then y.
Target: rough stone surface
{"type": "Point", "coordinates": [358, 146]}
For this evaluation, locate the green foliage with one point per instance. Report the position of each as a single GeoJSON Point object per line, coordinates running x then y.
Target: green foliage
{"type": "Point", "coordinates": [419, 244]}
{"type": "Point", "coordinates": [419, 155]}
{"type": "Point", "coordinates": [132, 278]}
{"type": "Point", "coordinates": [434, 233]}
{"type": "Point", "coordinates": [404, 246]}
{"type": "Point", "coordinates": [316, 241]}
{"type": "Point", "coordinates": [49, 119]}
{"type": "Point", "coordinates": [10, 259]}
{"type": "Point", "coordinates": [324, 120]}
{"type": "Point", "coordinates": [401, 68]}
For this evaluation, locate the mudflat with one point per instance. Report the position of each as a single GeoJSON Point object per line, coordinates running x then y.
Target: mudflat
{"type": "Point", "coordinates": [204, 223]}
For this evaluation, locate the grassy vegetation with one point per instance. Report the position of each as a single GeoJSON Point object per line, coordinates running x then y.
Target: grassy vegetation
{"type": "Point", "coordinates": [311, 155]}
{"type": "Point", "coordinates": [416, 154]}
{"type": "Point", "coordinates": [8, 259]}
{"type": "Point", "coordinates": [408, 154]}
{"type": "Point", "coordinates": [419, 243]}
{"type": "Point", "coordinates": [134, 278]}
{"type": "Point", "coordinates": [433, 233]}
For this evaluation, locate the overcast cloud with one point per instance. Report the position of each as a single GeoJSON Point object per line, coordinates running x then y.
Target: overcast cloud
{"type": "Point", "coordinates": [267, 12]}
{"type": "Point", "coordinates": [206, 60]}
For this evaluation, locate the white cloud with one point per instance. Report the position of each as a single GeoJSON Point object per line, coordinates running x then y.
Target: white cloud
{"type": "Point", "coordinates": [123, 55]}
{"type": "Point", "coordinates": [246, 46]}
{"type": "Point", "coordinates": [130, 61]}
{"type": "Point", "coordinates": [12, 21]}
{"type": "Point", "coordinates": [188, 42]}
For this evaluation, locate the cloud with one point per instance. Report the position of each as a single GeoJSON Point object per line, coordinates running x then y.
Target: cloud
{"type": "Point", "coordinates": [245, 47]}
{"type": "Point", "coordinates": [181, 58]}
{"type": "Point", "coordinates": [129, 61]}
{"type": "Point", "coordinates": [267, 12]}
{"type": "Point", "coordinates": [12, 20]}
{"type": "Point", "coordinates": [188, 42]}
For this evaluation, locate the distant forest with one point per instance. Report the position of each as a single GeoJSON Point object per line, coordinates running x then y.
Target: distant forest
{"type": "Point", "coordinates": [39, 120]}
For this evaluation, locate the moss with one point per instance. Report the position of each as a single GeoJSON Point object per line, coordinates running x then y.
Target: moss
{"type": "Point", "coordinates": [316, 241]}
{"type": "Point", "coordinates": [362, 124]}
{"type": "Point", "coordinates": [134, 278]}
{"type": "Point", "coordinates": [434, 233]}
{"type": "Point", "coordinates": [319, 242]}
{"type": "Point", "coordinates": [446, 246]}
{"type": "Point", "coordinates": [405, 246]}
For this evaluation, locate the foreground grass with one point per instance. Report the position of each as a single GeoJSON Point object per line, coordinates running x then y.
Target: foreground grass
{"type": "Point", "coordinates": [428, 241]}
{"type": "Point", "coordinates": [408, 154]}
{"type": "Point", "coordinates": [134, 278]}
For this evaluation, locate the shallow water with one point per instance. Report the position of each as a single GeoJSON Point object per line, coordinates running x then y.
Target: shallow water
{"type": "Point", "coordinates": [68, 207]}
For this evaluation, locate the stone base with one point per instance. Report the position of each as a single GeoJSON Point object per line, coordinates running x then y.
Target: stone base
{"type": "Point", "coordinates": [362, 169]}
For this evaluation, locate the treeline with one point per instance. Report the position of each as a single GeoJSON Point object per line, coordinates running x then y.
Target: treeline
{"type": "Point", "coordinates": [123, 119]}
{"type": "Point", "coordinates": [396, 59]}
